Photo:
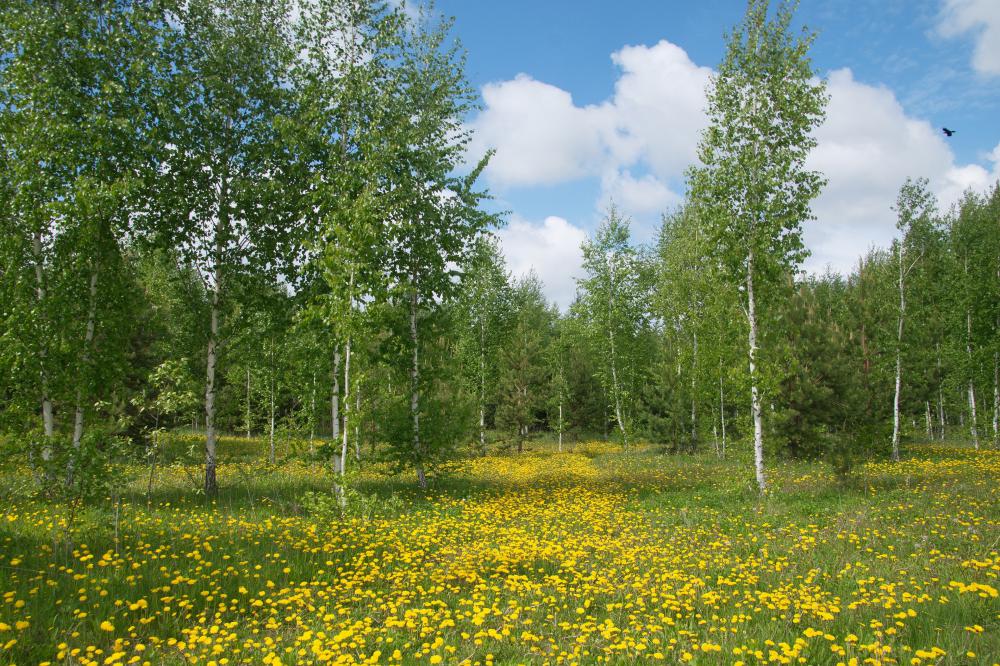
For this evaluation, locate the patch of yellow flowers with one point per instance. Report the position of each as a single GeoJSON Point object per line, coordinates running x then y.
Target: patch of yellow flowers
{"type": "Point", "coordinates": [593, 556]}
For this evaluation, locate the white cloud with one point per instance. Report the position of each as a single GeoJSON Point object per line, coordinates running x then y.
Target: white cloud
{"type": "Point", "coordinates": [982, 19]}
{"type": "Point", "coordinates": [867, 147]}
{"type": "Point", "coordinates": [551, 249]}
{"type": "Point", "coordinates": [540, 136]}
{"type": "Point", "coordinates": [654, 118]}
{"type": "Point", "coordinates": [659, 105]}
{"type": "Point", "coordinates": [642, 138]}
{"type": "Point", "coordinates": [637, 196]}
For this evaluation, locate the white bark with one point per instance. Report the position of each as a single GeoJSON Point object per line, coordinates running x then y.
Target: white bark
{"type": "Point", "coordinates": [271, 433]}
{"type": "Point", "coordinates": [335, 409]}
{"type": "Point", "coordinates": [88, 339]}
{"type": "Point", "coordinates": [722, 410]}
{"type": "Point", "coordinates": [758, 424]}
{"type": "Point", "coordinates": [48, 422]}
{"type": "Point", "coordinates": [996, 400]}
{"type": "Point", "coordinates": [694, 391]}
{"type": "Point", "coordinates": [347, 379]}
{"type": "Point", "coordinates": [482, 386]}
{"type": "Point", "coordinates": [415, 391]}
{"type": "Point", "coordinates": [210, 457]}
{"type": "Point", "coordinates": [927, 418]}
{"type": "Point", "coordinates": [899, 358]}
{"type": "Point", "coordinates": [347, 406]}
{"type": "Point", "coordinates": [941, 417]}
{"type": "Point", "coordinates": [357, 421]}
{"type": "Point", "coordinates": [614, 370]}
{"type": "Point", "coordinates": [312, 413]}
{"type": "Point", "coordinates": [248, 402]}
{"type": "Point", "coordinates": [560, 425]}
{"type": "Point", "coordinates": [972, 388]}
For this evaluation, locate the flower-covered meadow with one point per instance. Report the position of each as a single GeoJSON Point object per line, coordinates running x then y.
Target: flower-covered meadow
{"type": "Point", "coordinates": [588, 556]}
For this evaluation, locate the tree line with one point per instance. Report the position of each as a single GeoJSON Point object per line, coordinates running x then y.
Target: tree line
{"type": "Point", "coordinates": [260, 217]}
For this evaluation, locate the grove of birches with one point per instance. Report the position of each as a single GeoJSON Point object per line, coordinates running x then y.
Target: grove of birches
{"type": "Point", "coordinates": [266, 378]}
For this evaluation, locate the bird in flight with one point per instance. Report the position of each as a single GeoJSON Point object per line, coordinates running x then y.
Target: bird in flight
{"type": "Point", "coordinates": [948, 132]}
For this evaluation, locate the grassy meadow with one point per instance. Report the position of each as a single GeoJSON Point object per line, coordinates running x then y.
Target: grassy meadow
{"type": "Point", "coordinates": [592, 555]}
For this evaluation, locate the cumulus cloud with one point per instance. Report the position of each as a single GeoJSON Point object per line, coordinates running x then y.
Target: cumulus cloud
{"type": "Point", "coordinates": [540, 135]}
{"type": "Point", "coordinates": [653, 119]}
{"type": "Point", "coordinates": [867, 147]}
{"type": "Point", "coordinates": [551, 249]}
{"type": "Point", "coordinates": [638, 196]}
{"type": "Point", "coordinates": [640, 140]}
{"type": "Point", "coordinates": [981, 18]}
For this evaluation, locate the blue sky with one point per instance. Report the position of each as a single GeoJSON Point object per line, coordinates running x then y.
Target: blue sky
{"type": "Point", "coordinates": [588, 101]}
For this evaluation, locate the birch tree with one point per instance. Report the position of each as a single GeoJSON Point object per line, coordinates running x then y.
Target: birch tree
{"type": "Point", "coordinates": [752, 184]}
{"type": "Point", "coordinates": [434, 217]}
{"type": "Point", "coordinates": [484, 312]}
{"type": "Point", "coordinates": [614, 296]}
{"type": "Point", "coordinates": [85, 72]}
{"type": "Point", "coordinates": [915, 208]}
{"type": "Point", "coordinates": [221, 200]}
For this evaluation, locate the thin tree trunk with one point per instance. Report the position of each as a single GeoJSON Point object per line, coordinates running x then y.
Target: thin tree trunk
{"type": "Point", "coordinates": [614, 369]}
{"type": "Point", "coordinates": [211, 484]}
{"type": "Point", "coordinates": [899, 359]}
{"type": "Point", "coordinates": [694, 392]}
{"type": "Point", "coordinates": [335, 409]}
{"type": "Point", "coordinates": [221, 231]}
{"type": "Point", "coordinates": [48, 423]}
{"type": "Point", "coordinates": [418, 453]}
{"type": "Point", "coordinates": [996, 399]}
{"type": "Point", "coordinates": [347, 378]}
{"type": "Point", "coordinates": [972, 388]}
{"type": "Point", "coordinates": [347, 406]}
{"type": "Point", "coordinates": [248, 401]}
{"type": "Point", "coordinates": [88, 339]}
{"type": "Point", "coordinates": [561, 425]}
{"type": "Point", "coordinates": [357, 421]}
{"type": "Point", "coordinates": [722, 410]}
{"type": "Point", "coordinates": [312, 415]}
{"type": "Point", "coordinates": [927, 418]}
{"type": "Point", "coordinates": [941, 415]}
{"type": "Point", "coordinates": [758, 424]}
{"type": "Point", "coordinates": [271, 433]}
{"type": "Point", "coordinates": [338, 489]}
{"type": "Point", "coordinates": [482, 387]}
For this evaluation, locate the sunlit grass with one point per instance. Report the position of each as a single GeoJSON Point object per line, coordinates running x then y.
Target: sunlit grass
{"type": "Point", "coordinates": [590, 555]}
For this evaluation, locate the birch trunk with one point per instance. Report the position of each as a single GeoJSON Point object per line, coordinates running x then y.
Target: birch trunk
{"type": "Point", "coordinates": [347, 378]}
{"type": "Point", "coordinates": [347, 406]}
{"type": "Point", "coordinates": [211, 484]}
{"type": "Point", "coordinates": [88, 339]}
{"type": "Point", "coordinates": [335, 409]}
{"type": "Point", "coordinates": [758, 425]}
{"type": "Point", "coordinates": [48, 423]}
{"type": "Point", "coordinates": [418, 454]}
{"type": "Point", "coordinates": [614, 370]}
{"type": "Point", "coordinates": [899, 359]}
{"type": "Point", "coordinates": [271, 433]}
{"type": "Point", "coordinates": [561, 425]}
{"type": "Point", "coordinates": [972, 388]}
{"type": "Point", "coordinates": [357, 421]}
{"type": "Point", "coordinates": [248, 402]}
{"type": "Point", "coordinates": [482, 387]}
{"type": "Point", "coordinates": [694, 392]}
{"type": "Point", "coordinates": [996, 399]}
{"type": "Point", "coordinates": [941, 416]}
{"type": "Point", "coordinates": [312, 415]}
{"type": "Point", "coordinates": [722, 410]}
{"type": "Point", "coordinates": [927, 418]}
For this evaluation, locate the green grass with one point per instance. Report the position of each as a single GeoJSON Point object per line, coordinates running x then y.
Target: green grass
{"type": "Point", "coordinates": [593, 555]}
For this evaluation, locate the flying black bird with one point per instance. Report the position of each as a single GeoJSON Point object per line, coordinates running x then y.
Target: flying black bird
{"type": "Point", "coordinates": [948, 132]}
